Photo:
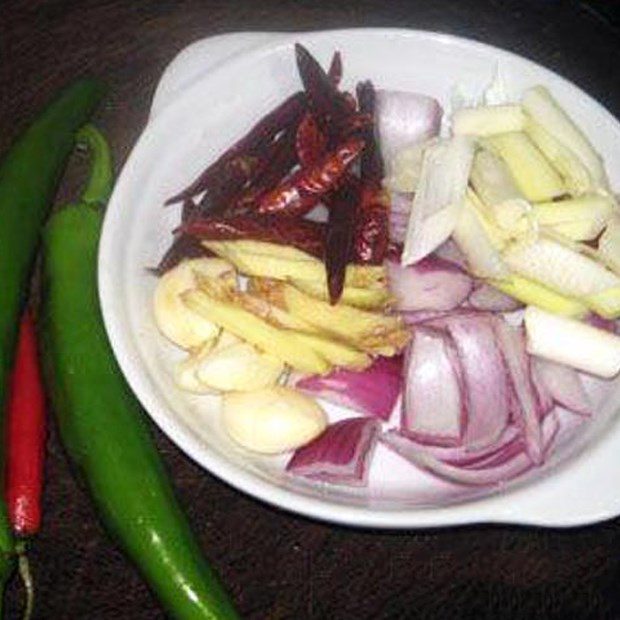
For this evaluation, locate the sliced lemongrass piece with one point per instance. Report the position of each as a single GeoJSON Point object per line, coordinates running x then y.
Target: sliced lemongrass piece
{"type": "Point", "coordinates": [579, 219]}
{"type": "Point", "coordinates": [488, 120]}
{"type": "Point", "coordinates": [540, 105]}
{"type": "Point", "coordinates": [439, 197]}
{"type": "Point", "coordinates": [570, 342]}
{"type": "Point", "coordinates": [535, 294]}
{"type": "Point", "coordinates": [483, 259]}
{"type": "Point", "coordinates": [496, 188]}
{"type": "Point", "coordinates": [533, 174]}
{"type": "Point", "coordinates": [575, 175]}
{"type": "Point", "coordinates": [560, 268]}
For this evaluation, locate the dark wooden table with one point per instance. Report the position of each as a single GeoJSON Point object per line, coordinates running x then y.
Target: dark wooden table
{"type": "Point", "coordinates": [280, 566]}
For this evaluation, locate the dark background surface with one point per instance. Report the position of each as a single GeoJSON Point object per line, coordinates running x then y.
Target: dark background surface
{"type": "Point", "coordinates": [280, 566]}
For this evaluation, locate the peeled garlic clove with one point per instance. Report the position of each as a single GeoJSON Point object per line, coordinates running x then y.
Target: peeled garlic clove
{"type": "Point", "coordinates": [238, 367]}
{"type": "Point", "coordinates": [185, 375]}
{"type": "Point", "coordinates": [272, 420]}
{"type": "Point", "coordinates": [174, 319]}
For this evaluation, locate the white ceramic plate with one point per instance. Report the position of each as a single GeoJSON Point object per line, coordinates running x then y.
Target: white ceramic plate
{"type": "Point", "coordinates": [208, 97]}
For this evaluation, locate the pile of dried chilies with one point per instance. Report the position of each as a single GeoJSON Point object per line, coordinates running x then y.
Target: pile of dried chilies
{"type": "Point", "coordinates": [317, 146]}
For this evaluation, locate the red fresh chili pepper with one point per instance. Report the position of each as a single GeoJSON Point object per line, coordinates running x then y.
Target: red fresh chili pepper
{"type": "Point", "coordinates": [310, 142]}
{"type": "Point", "coordinates": [234, 160]}
{"type": "Point", "coordinates": [299, 193]}
{"type": "Point", "coordinates": [305, 235]}
{"type": "Point", "coordinates": [25, 435]}
{"type": "Point", "coordinates": [343, 209]}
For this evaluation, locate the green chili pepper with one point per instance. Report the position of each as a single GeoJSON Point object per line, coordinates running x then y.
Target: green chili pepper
{"type": "Point", "coordinates": [101, 423]}
{"type": "Point", "coordinates": [29, 174]}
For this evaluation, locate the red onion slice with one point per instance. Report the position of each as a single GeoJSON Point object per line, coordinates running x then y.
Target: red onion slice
{"type": "Point", "coordinates": [341, 455]}
{"type": "Point", "coordinates": [404, 119]}
{"type": "Point", "coordinates": [430, 284]}
{"type": "Point", "coordinates": [487, 297]}
{"type": "Point", "coordinates": [485, 376]}
{"type": "Point", "coordinates": [509, 444]}
{"type": "Point", "coordinates": [545, 402]}
{"type": "Point", "coordinates": [449, 251]}
{"type": "Point", "coordinates": [564, 385]}
{"type": "Point", "coordinates": [489, 474]}
{"type": "Point", "coordinates": [373, 391]}
{"type": "Point", "coordinates": [433, 410]}
{"type": "Point", "coordinates": [525, 405]}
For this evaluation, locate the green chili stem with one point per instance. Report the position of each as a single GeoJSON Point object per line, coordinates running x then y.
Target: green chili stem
{"type": "Point", "coordinates": [99, 185]}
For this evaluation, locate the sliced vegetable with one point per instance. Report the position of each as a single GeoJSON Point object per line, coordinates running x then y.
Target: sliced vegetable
{"type": "Point", "coordinates": [564, 385]}
{"type": "Point", "coordinates": [542, 108]}
{"type": "Point", "coordinates": [281, 343]}
{"type": "Point", "coordinates": [487, 297]}
{"type": "Point", "coordinates": [532, 173]}
{"type": "Point", "coordinates": [524, 408]}
{"type": "Point", "coordinates": [505, 466]}
{"type": "Point", "coordinates": [483, 259]}
{"type": "Point", "coordinates": [339, 354]}
{"type": "Point", "coordinates": [404, 119]}
{"type": "Point", "coordinates": [493, 183]}
{"type": "Point", "coordinates": [580, 219]}
{"type": "Point", "coordinates": [574, 174]}
{"type": "Point", "coordinates": [532, 293]}
{"type": "Point", "coordinates": [373, 391]}
{"type": "Point", "coordinates": [438, 201]}
{"type": "Point", "coordinates": [273, 262]}
{"type": "Point", "coordinates": [434, 408]}
{"type": "Point", "coordinates": [366, 298]}
{"type": "Point", "coordinates": [575, 344]}
{"type": "Point", "coordinates": [272, 420]}
{"type": "Point", "coordinates": [369, 331]}
{"type": "Point", "coordinates": [406, 168]}
{"type": "Point", "coordinates": [484, 374]}
{"type": "Point", "coordinates": [488, 120]}
{"type": "Point", "coordinates": [341, 455]}
{"type": "Point", "coordinates": [609, 244]}
{"type": "Point", "coordinates": [560, 268]}
{"type": "Point", "coordinates": [430, 284]}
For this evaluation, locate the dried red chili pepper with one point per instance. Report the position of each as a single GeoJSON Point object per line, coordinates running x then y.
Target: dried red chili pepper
{"type": "Point", "coordinates": [234, 159]}
{"type": "Point", "coordinates": [334, 73]}
{"type": "Point", "coordinates": [343, 209]}
{"type": "Point", "coordinates": [371, 162]}
{"type": "Point", "coordinates": [305, 235]}
{"type": "Point", "coordinates": [327, 103]}
{"type": "Point", "coordinates": [278, 161]}
{"type": "Point", "coordinates": [372, 226]}
{"type": "Point", "coordinates": [183, 247]}
{"type": "Point", "coordinates": [299, 193]}
{"type": "Point", "coordinates": [371, 237]}
{"type": "Point", "coordinates": [310, 142]}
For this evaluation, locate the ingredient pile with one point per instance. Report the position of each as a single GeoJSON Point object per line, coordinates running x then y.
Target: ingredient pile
{"type": "Point", "coordinates": [447, 280]}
